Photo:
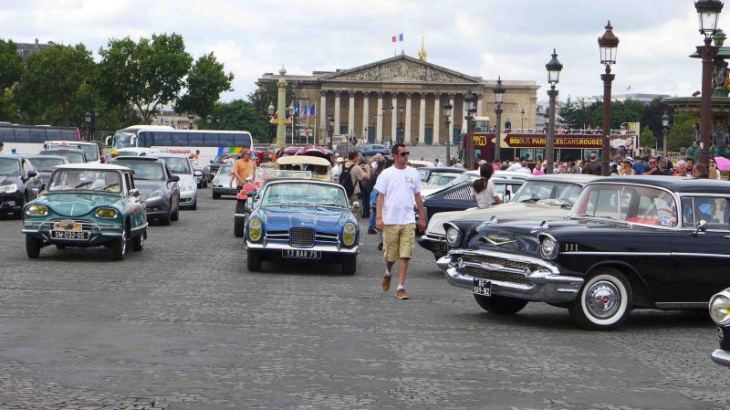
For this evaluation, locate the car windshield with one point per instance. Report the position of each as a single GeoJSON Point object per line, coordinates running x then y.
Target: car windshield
{"type": "Point", "coordinates": [533, 191]}
{"type": "Point", "coordinates": [225, 169]}
{"type": "Point", "coordinates": [144, 170]}
{"type": "Point", "coordinates": [46, 164]}
{"type": "Point", "coordinates": [9, 166]}
{"type": "Point", "coordinates": [85, 180]}
{"type": "Point", "coordinates": [628, 203]}
{"type": "Point", "coordinates": [122, 140]}
{"type": "Point", "coordinates": [178, 165]}
{"type": "Point", "coordinates": [74, 157]}
{"type": "Point", "coordinates": [423, 174]}
{"type": "Point", "coordinates": [91, 151]}
{"type": "Point", "coordinates": [304, 194]}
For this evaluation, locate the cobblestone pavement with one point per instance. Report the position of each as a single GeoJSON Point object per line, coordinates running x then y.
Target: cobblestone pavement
{"type": "Point", "coordinates": [184, 325]}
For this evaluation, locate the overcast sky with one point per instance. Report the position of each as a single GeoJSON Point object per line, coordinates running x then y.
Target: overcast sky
{"type": "Point", "coordinates": [511, 38]}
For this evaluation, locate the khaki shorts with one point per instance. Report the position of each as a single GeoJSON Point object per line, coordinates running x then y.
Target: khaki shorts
{"type": "Point", "coordinates": [398, 241]}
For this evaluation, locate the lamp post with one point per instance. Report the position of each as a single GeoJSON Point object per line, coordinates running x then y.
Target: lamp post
{"type": "Point", "coordinates": [191, 119]}
{"type": "Point", "coordinates": [88, 125]}
{"type": "Point", "coordinates": [607, 45]}
{"type": "Point", "coordinates": [708, 12]}
{"type": "Point", "coordinates": [212, 121]}
{"type": "Point", "coordinates": [271, 111]}
{"type": "Point", "coordinates": [522, 113]}
{"type": "Point", "coordinates": [498, 99]}
{"type": "Point", "coordinates": [331, 128]}
{"type": "Point", "coordinates": [97, 114]}
{"type": "Point", "coordinates": [447, 113]}
{"type": "Point", "coordinates": [665, 131]}
{"type": "Point", "coordinates": [469, 99]}
{"type": "Point", "coordinates": [553, 68]}
{"type": "Point", "coordinates": [20, 115]}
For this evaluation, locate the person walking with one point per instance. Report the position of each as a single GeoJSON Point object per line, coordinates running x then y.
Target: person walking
{"type": "Point", "coordinates": [399, 188]}
{"type": "Point", "coordinates": [243, 168]}
{"type": "Point", "coordinates": [351, 169]}
{"type": "Point", "coordinates": [485, 191]}
{"type": "Point", "coordinates": [592, 167]}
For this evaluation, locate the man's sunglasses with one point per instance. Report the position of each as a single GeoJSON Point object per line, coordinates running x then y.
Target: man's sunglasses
{"type": "Point", "coordinates": [404, 154]}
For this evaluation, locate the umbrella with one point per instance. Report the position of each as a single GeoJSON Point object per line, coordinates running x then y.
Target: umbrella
{"type": "Point", "coordinates": [723, 164]}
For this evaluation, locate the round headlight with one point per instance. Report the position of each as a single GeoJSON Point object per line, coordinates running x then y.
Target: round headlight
{"type": "Point", "coordinates": [720, 309]}
{"type": "Point", "coordinates": [349, 236]}
{"type": "Point", "coordinates": [254, 229]}
{"type": "Point", "coordinates": [107, 213]}
{"type": "Point", "coordinates": [453, 236]}
{"type": "Point", "coordinates": [37, 210]}
{"type": "Point", "coordinates": [549, 248]}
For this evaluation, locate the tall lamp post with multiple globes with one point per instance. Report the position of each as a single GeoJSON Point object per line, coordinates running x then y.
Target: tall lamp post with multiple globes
{"type": "Point", "coordinates": [469, 100]}
{"type": "Point", "coordinates": [191, 119]}
{"type": "Point", "coordinates": [607, 44]}
{"type": "Point", "coordinates": [498, 100]}
{"type": "Point", "coordinates": [665, 131]}
{"type": "Point", "coordinates": [331, 128]}
{"type": "Point", "coordinates": [88, 126]}
{"type": "Point", "coordinates": [522, 113]}
{"type": "Point", "coordinates": [447, 113]}
{"type": "Point", "coordinates": [553, 68]}
{"type": "Point", "coordinates": [270, 109]}
{"type": "Point", "coordinates": [708, 12]}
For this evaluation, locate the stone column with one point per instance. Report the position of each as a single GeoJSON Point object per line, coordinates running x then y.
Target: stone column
{"type": "Point", "coordinates": [394, 118]}
{"type": "Point", "coordinates": [321, 135]}
{"type": "Point", "coordinates": [422, 120]}
{"type": "Point", "coordinates": [365, 113]}
{"type": "Point", "coordinates": [408, 138]}
{"type": "Point", "coordinates": [450, 129]}
{"type": "Point", "coordinates": [281, 107]}
{"type": "Point", "coordinates": [351, 114]}
{"type": "Point", "coordinates": [337, 112]}
{"type": "Point", "coordinates": [379, 116]}
{"type": "Point", "coordinates": [437, 117]}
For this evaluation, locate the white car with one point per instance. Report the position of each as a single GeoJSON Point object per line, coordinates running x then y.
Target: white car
{"type": "Point", "coordinates": [222, 183]}
{"type": "Point", "coordinates": [181, 166]}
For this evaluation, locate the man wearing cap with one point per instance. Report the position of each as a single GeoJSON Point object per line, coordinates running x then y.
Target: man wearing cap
{"type": "Point", "coordinates": [593, 166]}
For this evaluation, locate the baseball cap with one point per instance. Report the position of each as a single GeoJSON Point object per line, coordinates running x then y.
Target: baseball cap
{"type": "Point", "coordinates": [340, 159]}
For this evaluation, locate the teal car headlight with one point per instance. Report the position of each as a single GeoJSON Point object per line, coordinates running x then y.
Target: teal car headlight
{"type": "Point", "coordinates": [37, 210]}
{"type": "Point", "coordinates": [255, 231]}
{"type": "Point", "coordinates": [349, 234]}
{"type": "Point", "coordinates": [9, 188]}
{"type": "Point", "coordinates": [549, 248]}
{"type": "Point", "coordinates": [106, 213]}
{"type": "Point", "coordinates": [720, 309]}
{"type": "Point", "coordinates": [453, 236]}
{"type": "Point", "coordinates": [153, 196]}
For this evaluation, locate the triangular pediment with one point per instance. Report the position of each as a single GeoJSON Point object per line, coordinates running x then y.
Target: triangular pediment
{"type": "Point", "coordinates": [402, 69]}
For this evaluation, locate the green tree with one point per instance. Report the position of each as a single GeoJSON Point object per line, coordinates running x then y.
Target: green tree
{"type": "Point", "coordinates": [148, 74]}
{"type": "Point", "coordinates": [11, 70]}
{"type": "Point", "coordinates": [682, 132]}
{"type": "Point", "coordinates": [242, 115]}
{"type": "Point", "coordinates": [577, 114]}
{"type": "Point", "coordinates": [621, 111]}
{"type": "Point", "coordinates": [648, 139]}
{"type": "Point", "coordinates": [205, 83]}
{"type": "Point", "coordinates": [269, 94]}
{"type": "Point", "coordinates": [52, 82]}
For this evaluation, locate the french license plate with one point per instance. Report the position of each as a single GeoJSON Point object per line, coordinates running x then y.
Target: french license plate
{"type": "Point", "coordinates": [482, 287]}
{"type": "Point", "coordinates": [73, 235]}
{"type": "Point", "coordinates": [300, 254]}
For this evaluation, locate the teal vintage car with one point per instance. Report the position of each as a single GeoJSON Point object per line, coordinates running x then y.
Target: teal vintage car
{"type": "Point", "coordinates": [86, 205]}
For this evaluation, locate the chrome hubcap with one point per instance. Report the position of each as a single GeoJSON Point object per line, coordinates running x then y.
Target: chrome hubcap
{"type": "Point", "coordinates": [603, 299]}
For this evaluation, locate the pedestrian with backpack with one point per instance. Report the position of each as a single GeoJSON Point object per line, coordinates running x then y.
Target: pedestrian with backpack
{"type": "Point", "coordinates": [351, 176]}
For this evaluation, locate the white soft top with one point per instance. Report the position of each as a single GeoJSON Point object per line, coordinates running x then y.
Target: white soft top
{"type": "Point", "coordinates": [94, 167]}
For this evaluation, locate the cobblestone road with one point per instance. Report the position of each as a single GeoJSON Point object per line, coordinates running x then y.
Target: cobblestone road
{"type": "Point", "coordinates": [184, 325]}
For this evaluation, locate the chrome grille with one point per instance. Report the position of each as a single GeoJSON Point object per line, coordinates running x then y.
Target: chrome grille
{"type": "Point", "coordinates": [277, 235]}
{"type": "Point", "coordinates": [326, 237]}
{"type": "Point", "coordinates": [503, 274]}
{"type": "Point", "coordinates": [302, 237]}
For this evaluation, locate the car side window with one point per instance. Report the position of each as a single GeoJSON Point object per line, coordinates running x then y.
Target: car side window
{"type": "Point", "coordinates": [715, 211]}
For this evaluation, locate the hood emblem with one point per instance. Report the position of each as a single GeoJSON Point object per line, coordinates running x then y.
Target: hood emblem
{"type": "Point", "coordinates": [491, 266]}
{"type": "Point", "coordinates": [499, 239]}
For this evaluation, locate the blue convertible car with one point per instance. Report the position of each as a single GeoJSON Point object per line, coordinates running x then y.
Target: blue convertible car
{"type": "Point", "coordinates": [300, 219]}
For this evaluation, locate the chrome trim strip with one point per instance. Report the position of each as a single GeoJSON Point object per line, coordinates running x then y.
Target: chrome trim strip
{"type": "Point", "coordinates": [618, 253]}
{"type": "Point", "coordinates": [721, 357]}
{"type": "Point", "coordinates": [140, 227]}
{"type": "Point", "coordinates": [682, 305]}
{"type": "Point", "coordinates": [282, 246]}
{"type": "Point", "coordinates": [702, 255]}
{"type": "Point", "coordinates": [243, 215]}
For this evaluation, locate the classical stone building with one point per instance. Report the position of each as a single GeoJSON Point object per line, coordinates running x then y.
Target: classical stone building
{"type": "Point", "coordinates": [401, 99]}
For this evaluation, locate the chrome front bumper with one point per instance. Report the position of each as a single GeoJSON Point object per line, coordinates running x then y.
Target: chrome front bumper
{"type": "Point", "coordinates": [721, 357]}
{"type": "Point", "coordinates": [329, 249]}
{"type": "Point", "coordinates": [545, 284]}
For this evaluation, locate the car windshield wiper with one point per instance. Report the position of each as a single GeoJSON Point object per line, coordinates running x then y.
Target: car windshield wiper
{"type": "Point", "coordinates": [531, 200]}
{"type": "Point", "coordinates": [83, 184]}
{"type": "Point", "coordinates": [107, 187]}
{"type": "Point", "coordinates": [329, 204]}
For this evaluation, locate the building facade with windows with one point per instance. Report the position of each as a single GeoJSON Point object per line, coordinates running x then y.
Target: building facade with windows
{"type": "Point", "coordinates": [401, 99]}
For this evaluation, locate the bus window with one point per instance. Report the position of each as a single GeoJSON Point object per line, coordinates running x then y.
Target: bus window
{"type": "Point", "coordinates": [69, 135]}
{"type": "Point", "coordinates": [226, 140]}
{"type": "Point", "coordinates": [211, 140]}
{"type": "Point", "coordinates": [195, 139]}
{"type": "Point", "coordinates": [241, 141]}
{"type": "Point", "coordinates": [7, 134]}
{"type": "Point", "coordinates": [179, 141]}
{"type": "Point", "coordinates": [22, 134]}
{"type": "Point", "coordinates": [161, 139]}
{"type": "Point", "coordinates": [38, 135]}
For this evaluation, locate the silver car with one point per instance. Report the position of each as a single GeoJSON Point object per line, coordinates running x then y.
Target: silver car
{"type": "Point", "coordinates": [222, 182]}
{"type": "Point", "coordinates": [181, 166]}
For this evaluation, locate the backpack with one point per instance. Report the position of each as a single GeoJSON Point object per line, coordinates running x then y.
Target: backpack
{"type": "Point", "coordinates": [345, 180]}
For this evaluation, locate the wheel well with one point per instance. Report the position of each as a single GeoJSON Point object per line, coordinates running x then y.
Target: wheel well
{"type": "Point", "coordinates": [639, 289]}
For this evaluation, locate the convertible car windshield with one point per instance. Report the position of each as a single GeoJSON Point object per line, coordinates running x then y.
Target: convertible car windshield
{"type": "Point", "coordinates": [304, 194]}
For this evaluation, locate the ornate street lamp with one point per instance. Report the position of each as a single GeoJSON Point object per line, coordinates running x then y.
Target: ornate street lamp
{"type": "Point", "coordinates": [665, 131]}
{"type": "Point", "coordinates": [553, 68]}
{"type": "Point", "coordinates": [191, 119]}
{"type": "Point", "coordinates": [271, 111]}
{"type": "Point", "coordinates": [708, 12]}
{"type": "Point", "coordinates": [607, 45]}
{"type": "Point", "coordinates": [331, 128]}
{"type": "Point", "coordinates": [469, 100]}
{"type": "Point", "coordinates": [291, 114]}
{"type": "Point", "coordinates": [498, 100]}
{"type": "Point", "coordinates": [522, 113]}
{"type": "Point", "coordinates": [447, 113]}
{"type": "Point", "coordinates": [20, 115]}
{"type": "Point", "coordinates": [97, 114]}
{"type": "Point", "coordinates": [88, 125]}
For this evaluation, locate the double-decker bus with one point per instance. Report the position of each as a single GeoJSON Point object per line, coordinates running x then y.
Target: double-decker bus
{"type": "Point", "coordinates": [187, 142]}
{"type": "Point", "coordinates": [530, 144]}
{"type": "Point", "coordinates": [30, 139]}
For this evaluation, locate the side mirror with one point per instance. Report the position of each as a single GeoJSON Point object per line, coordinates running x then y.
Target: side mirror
{"type": "Point", "coordinates": [175, 178]}
{"type": "Point", "coordinates": [32, 174]}
{"type": "Point", "coordinates": [701, 227]}
{"type": "Point", "coordinates": [251, 194]}
{"type": "Point", "coordinates": [134, 193]}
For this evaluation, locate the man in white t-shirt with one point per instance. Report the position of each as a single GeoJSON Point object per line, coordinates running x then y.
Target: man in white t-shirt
{"type": "Point", "coordinates": [399, 188]}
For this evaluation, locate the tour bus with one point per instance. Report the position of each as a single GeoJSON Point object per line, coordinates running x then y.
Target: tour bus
{"type": "Point", "coordinates": [30, 139]}
{"type": "Point", "coordinates": [126, 138]}
{"type": "Point", "coordinates": [187, 142]}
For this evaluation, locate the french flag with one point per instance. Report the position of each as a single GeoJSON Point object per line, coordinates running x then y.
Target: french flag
{"type": "Point", "coordinates": [397, 38]}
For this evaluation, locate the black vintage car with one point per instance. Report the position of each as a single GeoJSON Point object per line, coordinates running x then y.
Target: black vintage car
{"type": "Point", "coordinates": [720, 314]}
{"type": "Point", "coordinates": [629, 242]}
{"type": "Point", "coordinates": [19, 184]}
